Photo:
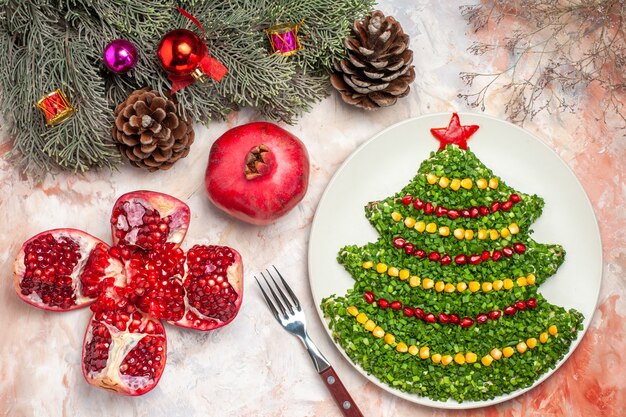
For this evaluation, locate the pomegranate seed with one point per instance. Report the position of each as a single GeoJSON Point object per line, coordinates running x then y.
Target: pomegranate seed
{"type": "Point", "coordinates": [369, 297]}
{"type": "Point", "coordinates": [520, 305]}
{"type": "Point", "coordinates": [531, 303]}
{"type": "Point", "coordinates": [430, 318]}
{"type": "Point", "coordinates": [398, 242]}
{"type": "Point", "coordinates": [395, 305]}
{"type": "Point", "coordinates": [519, 248]}
{"type": "Point", "coordinates": [454, 318]}
{"type": "Point", "coordinates": [445, 260]}
{"type": "Point", "coordinates": [507, 251]}
{"type": "Point", "coordinates": [382, 303]}
{"type": "Point", "coordinates": [474, 259]}
{"type": "Point", "coordinates": [510, 310]}
{"type": "Point", "coordinates": [495, 206]}
{"type": "Point", "coordinates": [460, 259]}
{"type": "Point", "coordinates": [482, 318]}
{"type": "Point", "coordinates": [515, 198]}
{"type": "Point", "coordinates": [408, 311]}
{"type": "Point", "coordinates": [496, 255]}
{"type": "Point", "coordinates": [440, 211]}
{"type": "Point", "coordinates": [474, 212]}
{"type": "Point", "coordinates": [443, 318]}
{"type": "Point", "coordinates": [485, 256]}
{"type": "Point", "coordinates": [465, 213]}
{"type": "Point", "coordinates": [418, 204]}
{"type": "Point", "coordinates": [419, 313]}
{"type": "Point", "coordinates": [434, 256]}
{"type": "Point", "coordinates": [420, 253]}
{"type": "Point", "coordinates": [406, 200]}
{"type": "Point", "coordinates": [506, 206]}
{"type": "Point", "coordinates": [409, 248]}
{"type": "Point", "coordinates": [428, 208]}
{"type": "Point", "coordinates": [483, 210]}
{"type": "Point", "coordinates": [495, 314]}
{"type": "Point", "coordinates": [453, 214]}
{"type": "Point", "coordinates": [466, 322]}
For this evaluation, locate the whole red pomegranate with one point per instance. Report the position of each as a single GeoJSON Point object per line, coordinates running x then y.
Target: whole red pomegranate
{"type": "Point", "coordinates": [144, 279]}
{"type": "Point", "coordinates": [257, 172]}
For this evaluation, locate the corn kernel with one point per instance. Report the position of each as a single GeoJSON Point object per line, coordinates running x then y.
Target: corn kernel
{"type": "Point", "coordinates": [444, 231]}
{"type": "Point", "coordinates": [481, 183]}
{"type": "Point", "coordinates": [543, 337]}
{"type": "Point", "coordinates": [482, 234]}
{"type": "Point", "coordinates": [505, 233]}
{"type": "Point", "coordinates": [531, 342]}
{"type": "Point", "coordinates": [466, 183]}
{"type": "Point", "coordinates": [469, 234]}
{"type": "Point", "coordinates": [444, 182]}
{"type": "Point", "coordinates": [393, 271]}
{"type": "Point", "coordinates": [497, 285]}
{"type": "Point", "coordinates": [461, 286]}
{"type": "Point", "coordinates": [471, 357]}
{"type": "Point", "coordinates": [459, 358]}
{"type": "Point", "coordinates": [496, 353]}
{"type": "Point", "coordinates": [493, 234]}
{"type": "Point", "coordinates": [368, 264]}
{"type": "Point", "coordinates": [402, 347]}
{"type": "Point", "coordinates": [514, 228]}
{"type": "Point", "coordinates": [446, 359]}
{"type": "Point", "coordinates": [404, 274]}
{"type": "Point", "coordinates": [521, 281]}
{"type": "Point", "coordinates": [396, 216]}
{"type": "Point", "coordinates": [439, 286]}
{"type": "Point", "coordinates": [378, 332]}
{"type": "Point", "coordinates": [369, 325]}
{"type": "Point", "coordinates": [455, 184]}
{"type": "Point", "coordinates": [381, 267]}
{"type": "Point", "coordinates": [486, 360]}
{"type": "Point", "coordinates": [493, 183]}
{"type": "Point", "coordinates": [436, 358]}
{"type": "Point", "coordinates": [521, 347]}
{"type": "Point", "coordinates": [553, 330]}
{"type": "Point", "coordinates": [420, 226]}
{"type": "Point", "coordinates": [508, 351]}
{"type": "Point", "coordinates": [459, 233]}
{"type": "Point", "coordinates": [507, 283]}
{"type": "Point", "coordinates": [431, 227]}
{"type": "Point", "coordinates": [431, 178]}
{"type": "Point", "coordinates": [409, 222]}
{"type": "Point", "coordinates": [530, 279]}
{"type": "Point", "coordinates": [474, 286]}
{"type": "Point", "coordinates": [414, 281]}
{"type": "Point", "coordinates": [413, 350]}
{"type": "Point", "coordinates": [361, 318]}
{"type": "Point", "coordinates": [449, 287]}
{"type": "Point", "coordinates": [389, 338]}
{"type": "Point", "coordinates": [487, 286]}
{"type": "Point", "coordinates": [428, 283]}
{"type": "Point", "coordinates": [424, 352]}
{"type": "Point", "coordinates": [353, 311]}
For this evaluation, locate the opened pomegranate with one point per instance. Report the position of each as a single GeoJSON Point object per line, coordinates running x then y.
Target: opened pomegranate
{"type": "Point", "coordinates": [63, 269]}
{"type": "Point", "coordinates": [257, 172]}
{"type": "Point", "coordinates": [145, 278]}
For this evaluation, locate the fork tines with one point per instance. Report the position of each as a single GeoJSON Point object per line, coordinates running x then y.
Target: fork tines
{"type": "Point", "coordinates": [287, 304]}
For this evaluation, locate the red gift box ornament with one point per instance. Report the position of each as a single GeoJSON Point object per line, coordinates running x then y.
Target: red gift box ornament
{"type": "Point", "coordinates": [55, 107]}
{"type": "Point", "coordinates": [185, 57]}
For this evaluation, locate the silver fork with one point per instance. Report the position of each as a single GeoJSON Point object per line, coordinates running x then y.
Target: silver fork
{"type": "Point", "coordinates": [289, 314]}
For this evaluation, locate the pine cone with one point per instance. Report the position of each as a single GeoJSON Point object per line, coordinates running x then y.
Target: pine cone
{"type": "Point", "coordinates": [150, 132]}
{"type": "Point", "coordinates": [377, 70]}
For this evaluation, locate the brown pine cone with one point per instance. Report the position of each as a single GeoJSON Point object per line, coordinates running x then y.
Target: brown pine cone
{"type": "Point", "coordinates": [377, 70]}
{"type": "Point", "coordinates": [150, 132]}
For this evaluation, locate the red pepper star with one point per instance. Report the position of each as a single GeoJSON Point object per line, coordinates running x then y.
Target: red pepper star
{"type": "Point", "coordinates": [454, 134]}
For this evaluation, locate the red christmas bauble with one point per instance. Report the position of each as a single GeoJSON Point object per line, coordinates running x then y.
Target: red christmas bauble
{"type": "Point", "coordinates": [180, 51]}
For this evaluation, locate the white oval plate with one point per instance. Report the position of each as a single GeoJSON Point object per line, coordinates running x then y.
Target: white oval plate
{"type": "Point", "coordinates": [387, 162]}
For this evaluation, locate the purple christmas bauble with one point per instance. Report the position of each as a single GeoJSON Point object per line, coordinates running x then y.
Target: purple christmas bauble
{"type": "Point", "coordinates": [120, 56]}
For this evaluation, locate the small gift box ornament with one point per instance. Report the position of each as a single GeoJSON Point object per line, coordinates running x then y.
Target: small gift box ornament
{"type": "Point", "coordinates": [283, 38]}
{"type": "Point", "coordinates": [55, 107]}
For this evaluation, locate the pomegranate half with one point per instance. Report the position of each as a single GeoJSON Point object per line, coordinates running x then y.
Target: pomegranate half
{"type": "Point", "coordinates": [257, 172]}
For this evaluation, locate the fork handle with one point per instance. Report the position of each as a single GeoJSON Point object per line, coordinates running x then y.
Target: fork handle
{"type": "Point", "coordinates": [340, 394]}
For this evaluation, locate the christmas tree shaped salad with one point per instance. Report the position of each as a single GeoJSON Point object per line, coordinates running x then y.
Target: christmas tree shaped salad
{"type": "Point", "coordinates": [445, 303]}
